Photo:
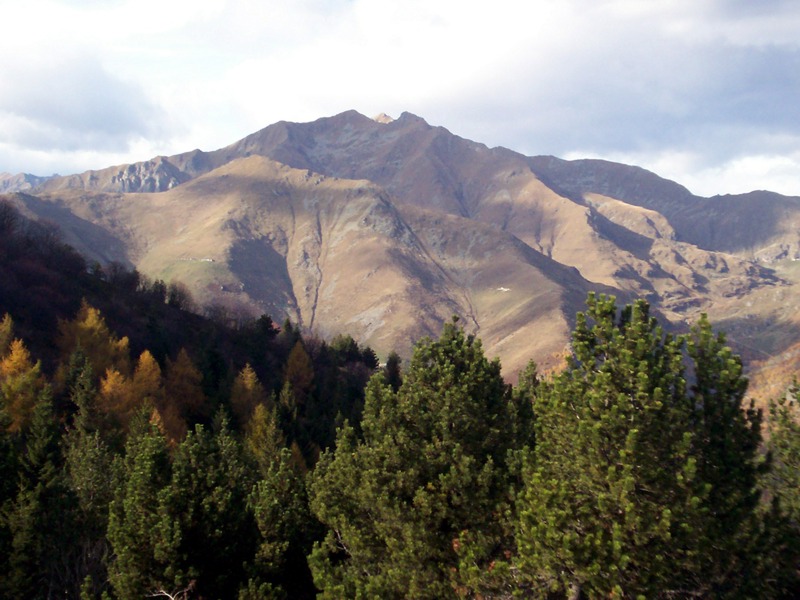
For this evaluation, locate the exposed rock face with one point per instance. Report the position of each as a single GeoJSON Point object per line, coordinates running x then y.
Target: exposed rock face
{"type": "Point", "coordinates": [385, 228]}
{"type": "Point", "coordinates": [19, 183]}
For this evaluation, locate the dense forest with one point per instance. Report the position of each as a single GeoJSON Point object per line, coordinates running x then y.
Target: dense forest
{"type": "Point", "coordinates": [150, 448]}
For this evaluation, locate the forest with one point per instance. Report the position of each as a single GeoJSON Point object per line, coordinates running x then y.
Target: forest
{"type": "Point", "coordinates": [151, 448]}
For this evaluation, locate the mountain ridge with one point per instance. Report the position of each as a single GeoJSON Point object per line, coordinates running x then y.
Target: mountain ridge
{"type": "Point", "coordinates": [403, 224]}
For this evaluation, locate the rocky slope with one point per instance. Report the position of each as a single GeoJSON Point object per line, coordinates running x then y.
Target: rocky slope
{"type": "Point", "coordinates": [385, 228]}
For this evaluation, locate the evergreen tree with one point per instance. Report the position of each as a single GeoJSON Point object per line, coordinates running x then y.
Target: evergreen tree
{"type": "Point", "coordinates": [89, 469]}
{"type": "Point", "coordinates": [38, 517]}
{"type": "Point", "coordinates": [611, 473]}
{"type": "Point", "coordinates": [279, 506]}
{"type": "Point", "coordinates": [637, 485]}
{"type": "Point", "coordinates": [134, 512]}
{"type": "Point", "coordinates": [726, 443]}
{"type": "Point", "coordinates": [781, 560]}
{"type": "Point", "coordinates": [391, 371]}
{"type": "Point", "coordinates": [783, 479]}
{"type": "Point", "coordinates": [8, 489]}
{"type": "Point", "coordinates": [206, 532]}
{"type": "Point", "coordinates": [429, 472]}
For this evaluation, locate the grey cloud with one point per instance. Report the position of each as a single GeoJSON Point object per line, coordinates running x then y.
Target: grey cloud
{"type": "Point", "coordinates": [625, 91]}
{"type": "Point", "coordinates": [73, 104]}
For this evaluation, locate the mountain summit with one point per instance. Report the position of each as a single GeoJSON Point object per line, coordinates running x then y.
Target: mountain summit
{"type": "Point", "coordinates": [384, 229]}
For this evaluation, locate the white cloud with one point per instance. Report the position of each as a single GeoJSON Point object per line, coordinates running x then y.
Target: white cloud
{"type": "Point", "coordinates": [717, 81]}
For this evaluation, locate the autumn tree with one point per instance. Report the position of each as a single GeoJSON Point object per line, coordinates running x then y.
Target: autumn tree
{"type": "Point", "coordinates": [428, 475]}
{"type": "Point", "coordinates": [21, 384]}
{"type": "Point", "coordinates": [121, 397]}
{"type": "Point", "coordinates": [183, 401]}
{"type": "Point", "coordinates": [88, 330]}
{"type": "Point", "coordinates": [6, 334]}
{"type": "Point", "coordinates": [246, 394]}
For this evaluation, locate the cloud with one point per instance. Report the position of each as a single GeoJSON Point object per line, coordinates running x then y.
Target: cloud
{"type": "Point", "coordinates": [72, 103]}
{"type": "Point", "coordinates": [716, 81]}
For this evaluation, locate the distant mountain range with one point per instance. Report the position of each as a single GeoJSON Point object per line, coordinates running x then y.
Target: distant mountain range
{"type": "Point", "coordinates": [384, 229]}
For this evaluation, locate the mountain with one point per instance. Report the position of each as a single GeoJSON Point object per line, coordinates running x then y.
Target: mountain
{"type": "Point", "coordinates": [385, 228]}
{"type": "Point", "coordinates": [19, 182]}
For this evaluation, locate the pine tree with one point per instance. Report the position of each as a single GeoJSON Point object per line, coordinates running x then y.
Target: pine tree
{"type": "Point", "coordinates": [206, 532]}
{"type": "Point", "coordinates": [279, 506]}
{"type": "Point", "coordinates": [89, 470]}
{"type": "Point", "coordinates": [429, 472]}
{"type": "Point", "coordinates": [783, 425]}
{"type": "Point", "coordinates": [38, 517]}
{"type": "Point", "coordinates": [726, 446]}
{"type": "Point", "coordinates": [8, 489]}
{"type": "Point", "coordinates": [611, 472]}
{"type": "Point", "coordinates": [780, 564]}
{"type": "Point", "coordinates": [134, 512]}
{"type": "Point", "coordinates": [391, 371]}
{"type": "Point", "coordinates": [637, 485]}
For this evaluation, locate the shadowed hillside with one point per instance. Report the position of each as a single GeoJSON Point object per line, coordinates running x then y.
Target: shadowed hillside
{"type": "Point", "coordinates": [384, 228]}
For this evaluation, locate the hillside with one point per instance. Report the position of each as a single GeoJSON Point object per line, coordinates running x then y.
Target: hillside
{"type": "Point", "coordinates": [383, 229]}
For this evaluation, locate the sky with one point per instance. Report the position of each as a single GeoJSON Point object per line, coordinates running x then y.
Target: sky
{"type": "Point", "coordinates": [704, 92]}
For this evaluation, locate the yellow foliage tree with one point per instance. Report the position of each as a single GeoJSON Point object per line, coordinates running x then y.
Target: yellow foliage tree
{"type": "Point", "coordinates": [147, 385]}
{"type": "Point", "coordinates": [21, 383]}
{"type": "Point", "coordinates": [264, 438]}
{"type": "Point", "coordinates": [6, 333]}
{"type": "Point", "coordinates": [115, 398]}
{"type": "Point", "coordinates": [88, 330]}
{"type": "Point", "coordinates": [246, 394]}
{"type": "Point", "coordinates": [183, 398]}
{"type": "Point", "coordinates": [299, 372]}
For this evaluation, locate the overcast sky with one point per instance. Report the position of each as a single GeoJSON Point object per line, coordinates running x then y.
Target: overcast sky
{"type": "Point", "coordinates": [705, 92]}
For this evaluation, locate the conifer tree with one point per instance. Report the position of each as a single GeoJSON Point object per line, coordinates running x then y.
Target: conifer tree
{"type": "Point", "coordinates": [183, 401]}
{"type": "Point", "coordinates": [279, 506]}
{"type": "Point", "coordinates": [264, 439]}
{"type": "Point", "coordinates": [89, 331]}
{"type": "Point", "coordinates": [8, 489]}
{"type": "Point", "coordinates": [89, 470]}
{"type": "Point", "coordinates": [429, 472]}
{"type": "Point", "coordinates": [38, 517]}
{"type": "Point", "coordinates": [206, 532]}
{"type": "Point", "coordinates": [134, 512]}
{"type": "Point", "coordinates": [639, 486]}
{"type": "Point", "coordinates": [611, 473]}
{"type": "Point", "coordinates": [6, 334]}
{"type": "Point", "coordinates": [726, 446]}
{"type": "Point", "coordinates": [783, 479]}
{"type": "Point", "coordinates": [21, 384]}
{"type": "Point", "coordinates": [391, 371]}
{"type": "Point", "coordinates": [298, 377]}
{"type": "Point", "coordinates": [246, 394]}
